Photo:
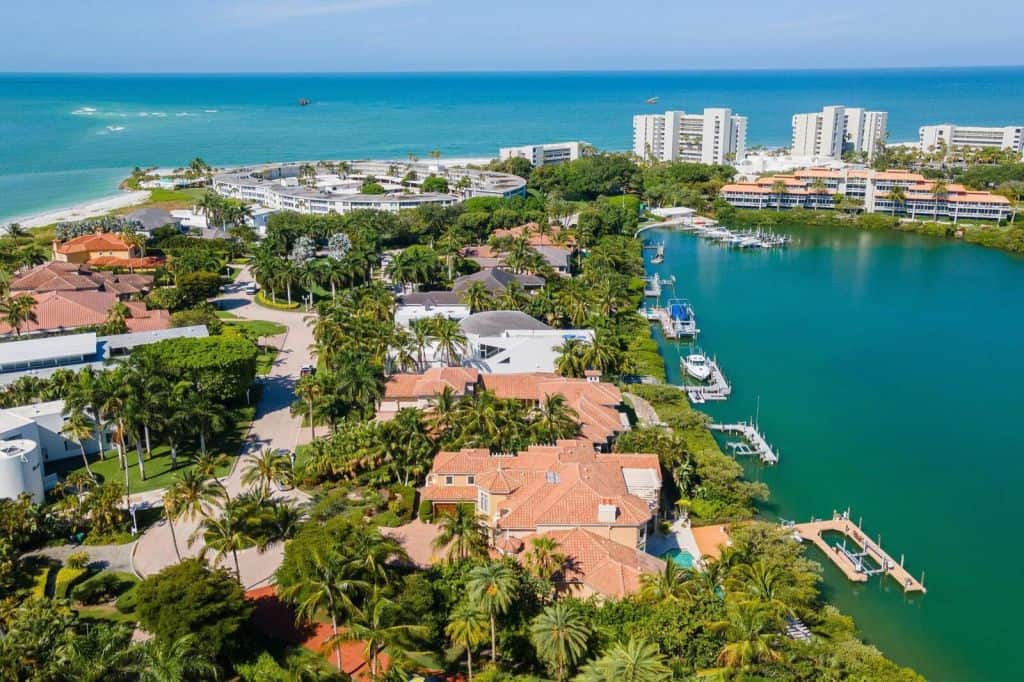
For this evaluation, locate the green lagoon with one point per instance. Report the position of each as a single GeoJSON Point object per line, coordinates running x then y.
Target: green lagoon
{"type": "Point", "coordinates": [887, 370]}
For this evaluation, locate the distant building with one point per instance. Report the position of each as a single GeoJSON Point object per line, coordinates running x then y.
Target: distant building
{"type": "Point", "coordinates": [59, 311]}
{"type": "Point", "coordinates": [828, 133]}
{"type": "Point", "coordinates": [497, 280]}
{"type": "Point", "coordinates": [545, 154]}
{"type": "Point", "coordinates": [43, 423]}
{"type": "Point", "coordinates": [420, 305]}
{"type": "Point", "coordinates": [102, 249]}
{"type": "Point", "coordinates": [21, 470]}
{"type": "Point", "coordinates": [934, 137]}
{"type": "Point", "coordinates": [816, 188]}
{"type": "Point", "coordinates": [57, 276]}
{"type": "Point", "coordinates": [508, 341]}
{"type": "Point", "coordinates": [716, 136]}
{"type": "Point", "coordinates": [150, 219]}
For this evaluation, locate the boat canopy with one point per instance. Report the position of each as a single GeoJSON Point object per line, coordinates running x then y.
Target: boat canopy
{"type": "Point", "coordinates": [678, 311]}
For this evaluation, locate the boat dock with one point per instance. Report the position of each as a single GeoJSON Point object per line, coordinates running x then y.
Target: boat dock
{"type": "Point", "coordinates": [653, 286]}
{"type": "Point", "coordinates": [851, 560]}
{"type": "Point", "coordinates": [755, 444]}
{"type": "Point", "coordinates": [676, 320]}
{"type": "Point", "coordinates": [716, 388]}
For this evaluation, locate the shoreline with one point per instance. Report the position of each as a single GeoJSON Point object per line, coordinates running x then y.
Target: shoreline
{"type": "Point", "coordinates": [86, 209]}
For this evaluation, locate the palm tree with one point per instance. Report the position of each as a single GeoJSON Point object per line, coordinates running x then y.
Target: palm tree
{"type": "Point", "coordinates": [478, 297]}
{"type": "Point", "coordinates": [450, 339]}
{"type": "Point", "coordinates": [270, 466]}
{"type": "Point", "coordinates": [223, 534]}
{"type": "Point", "coordinates": [492, 586]}
{"type": "Point", "coordinates": [79, 428]}
{"type": "Point", "coordinates": [163, 660]}
{"type": "Point", "coordinates": [467, 627]}
{"type": "Point", "coordinates": [543, 560]}
{"type": "Point", "coordinates": [765, 582]}
{"type": "Point", "coordinates": [634, 661]}
{"type": "Point", "coordinates": [83, 395]}
{"type": "Point", "coordinates": [559, 635]}
{"type": "Point", "coordinates": [308, 391]}
{"type": "Point", "coordinates": [553, 420]}
{"type": "Point", "coordinates": [570, 362]}
{"type": "Point", "coordinates": [465, 531]}
{"type": "Point", "coordinates": [95, 655]}
{"type": "Point", "coordinates": [15, 311]}
{"type": "Point", "coordinates": [750, 635]}
{"type": "Point", "coordinates": [206, 466]}
{"type": "Point", "coordinates": [208, 417]}
{"type": "Point", "coordinates": [324, 588]}
{"type": "Point", "coordinates": [897, 195]}
{"type": "Point", "coordinates": [666, 585]}
{"type": "Point", "coordinates": [779, 190]}
{"type": "Point", "coordinates": [374, 625]}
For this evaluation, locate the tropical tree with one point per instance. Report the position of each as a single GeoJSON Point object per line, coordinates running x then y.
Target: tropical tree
{"type": "Point", "coordinates": [308, 392]}
{"type": "Point", "coordinates": [669, 584]}
{"type": "Point", "coordinates": [571, 361]}
{"type": "Point", "coordinates": [492, 587]}
{"type": "Point", "coordinates": [97, 654]}
{"type": "Point", "coordinates": [559, 635]}
{"type": "Point", "coordinates": [897, 195]}
{"type": "Point", "coordinates": [377, 626]}
{"type": "Point", "coordinates": [450, 340]}
{"type": "Point", "coordinates": [163, 660]}
{"type": "Point", "coordinates": [464, 531]}
{"type": "Point", "coordinates": [750, 633]}
{"type": "Point", "coordinates": [478, 297]}
{"type": "Point", "coordinates": [553, 420]}
{"type": "Point", "coordinates": [467, 628]}
{"type": "Point", "coordinates": [79, 428]}
{"type": "Point", "coordinates": [225, 533]}
{"type": "Point", "coordinates": [779, 190]}
{"type": "Point", "coordinates": [633, 661]}
{"type": "Point", "coordinates": [269, 466]}
{"type": "Point", "coordinates": [17, 310]}
{"type": "Point", "coordinates": [544, 559]}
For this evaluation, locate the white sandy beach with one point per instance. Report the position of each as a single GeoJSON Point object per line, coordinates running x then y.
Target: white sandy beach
{"type": "Point", "coordinates": [88, 209]}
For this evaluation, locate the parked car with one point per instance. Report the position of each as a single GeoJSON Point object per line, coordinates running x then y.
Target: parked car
{"type": "Point", "coordinates": [307, 371]}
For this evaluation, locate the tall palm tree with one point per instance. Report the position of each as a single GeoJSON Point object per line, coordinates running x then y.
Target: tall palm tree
{"type": "Point", "coordinates": [208, 417]}
{"type": "Point", "coordinates": [666, 585]}
{"type": "Point", "coordinates": [553, 419]}
{"type": "Point", "coordinates": [83, 395]}
{"type": "Point", "coordinates": [766, 582]}
{"type": "Point", "coordinates": [467, 627]}
{"type": "Point", "coordinates": [15, 311]}
{"type": "Point", "coordinates": [79, 428]}
{"type": "Point", "coordinates": [478, 297]}
{"type": "Point", "coordinates": [779, 190]}
{"type": "Point", "coordinates": [374, 625]}
{"type": "Point", "coordinates": [324, 588]}
{"type": "Point", "coordinates": [570, 361]}
{"type": "Point", "coordinates": [750, 633]}
{"type": "Point", "coordinates": [492, 587]}
{"type": "Point", "coordinates": [450, 339]}
{"type": "Point", "coordinates": [464, 531]}
{"type": "Point", "coordinates": [225, 533]}
{"type": "Point", "coordinates": [559, 635]}
{"type": "Point", "coordinates": [544, 559]}
{"type": "Point", "coordinates": [308, 391]}
{"type": "Point", "coordinates": [163, 660]}
{"type": "Point", "coordinates": [633, 661]}
{"type": "Point", "coordinates": [897, 195]}
{"type": "Point", "coordinates": [269, 466]}
{"type": "Point", "coordinates": [95, 655]}
{"type": "Point", "coordinates": [190, 497]}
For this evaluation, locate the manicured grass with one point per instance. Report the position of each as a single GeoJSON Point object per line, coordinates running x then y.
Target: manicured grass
{"type": "Point", "coordinates": [257, 328]}
{"type": "Point", "coordinates": [160, 472]}
{"type": "Point", "coordinates": [281, 304]}
{"type": "Point", "coordinates": [107, 613]}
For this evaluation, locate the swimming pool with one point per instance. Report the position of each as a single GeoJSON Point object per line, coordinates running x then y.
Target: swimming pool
{"type": "Point", "coordinates": [681, 557]}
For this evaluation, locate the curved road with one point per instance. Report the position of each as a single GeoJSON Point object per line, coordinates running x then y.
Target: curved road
{"type": "Point", "coordinates": [273, 427]}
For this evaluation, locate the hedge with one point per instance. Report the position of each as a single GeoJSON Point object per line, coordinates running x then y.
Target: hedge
{"type": "Point", "coordinates": [280, 305]}
{"type": "Point", "coordinates": [224, 366]}
{"type": "Point", "coordinates": [41, 579]}
{"type": "Point", "coordinates": [103, 587]}
{"type": "Point", "coordinates": [426, 511]}
{"type": "Point", "coordinates": [66, 578]}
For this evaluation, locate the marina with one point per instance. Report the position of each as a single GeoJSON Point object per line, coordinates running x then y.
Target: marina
{"type": "Point", "coordinates": [861, 558]}
{"type": "Point", "coordinates": [676, 320]}
{"type": "Point", "coordinates": [742, 239]}
{"type": "Point", "coordinates": [754, 443]}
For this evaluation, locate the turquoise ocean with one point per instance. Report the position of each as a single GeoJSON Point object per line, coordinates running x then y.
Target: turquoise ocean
{"type": "Point", "coordinates": [69, 138]}
{"type": "Point", "coordinates": [886, 367]}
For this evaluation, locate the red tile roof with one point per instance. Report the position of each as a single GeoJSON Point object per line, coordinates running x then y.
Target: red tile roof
{"type": "Point", "coordinates": [56, 310]}
{"type": "Point", "coordinates": [534, 236]}
{"type": "Point", "coordinates": [60, 276]}
{"type": "Point", "coordinates": [98, 241]}
{"type": "Point", "coordinates": [430, 383]}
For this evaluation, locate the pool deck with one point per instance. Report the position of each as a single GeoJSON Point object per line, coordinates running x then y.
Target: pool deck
{"type": "Point", "coordinates": [812, 532]}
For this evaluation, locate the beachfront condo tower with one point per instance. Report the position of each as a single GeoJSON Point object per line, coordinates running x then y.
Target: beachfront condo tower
{"type": "Point", "coordinates": [836, 129]}
{"type": "Point", "coordinates": [1010, 138]}
{"type": "Point", "coordinates": [716, 136]}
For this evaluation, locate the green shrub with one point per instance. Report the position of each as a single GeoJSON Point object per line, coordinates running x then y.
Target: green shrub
{"type": "Point", "coordinates": [389, 519]}
{"type": "Point", "coordinates": [78, 560]}
{"type": "Point", "coordinates": [426, 511]}
{"type": "Point", "coordinates": [262, 299]}
{"type": "Point", "coordinates": [39, 584]}
{"type": "Point", "coordinates": [66, 578]}
{"type": "Point", "coordinates": [102, 587]}
{"type": "Point", "coordinates": [126, 602]}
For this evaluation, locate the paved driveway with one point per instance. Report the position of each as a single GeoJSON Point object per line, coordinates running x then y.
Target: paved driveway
{"type": "Point", "coordinates": [274, 426]}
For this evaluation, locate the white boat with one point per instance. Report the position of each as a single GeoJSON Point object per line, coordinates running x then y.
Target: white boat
{"type": "Point", "coordinates": [697, 366]}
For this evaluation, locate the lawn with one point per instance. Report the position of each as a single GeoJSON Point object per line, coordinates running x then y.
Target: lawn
{"type": "Point", "coordinates": [159, 471]}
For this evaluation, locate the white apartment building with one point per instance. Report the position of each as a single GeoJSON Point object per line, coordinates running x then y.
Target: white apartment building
{"type": "Point", "coordinates": [545, 154]}
{"type": "Point", "coordinates": [976, 137]}
{"type": "Point", "coordinates": [716, 136]}
{"type": "Point", "coordinates": [828, 133]}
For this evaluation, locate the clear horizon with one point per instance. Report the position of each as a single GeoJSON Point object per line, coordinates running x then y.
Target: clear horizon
{"type": "Point", "coordinates": [439, 36]}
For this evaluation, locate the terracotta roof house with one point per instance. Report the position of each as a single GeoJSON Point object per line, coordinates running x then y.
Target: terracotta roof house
{"type": "Point", "coordinates": [483, 255]}
{"type": "Point", "coordinates": [497, 280]}
{"type": "Point", "coordinates": [534, 237]}
{"type": "Point", "coordinates": [105, 249]}
{"type": "Point", "coordinates": [63, 276]}
{"type": "Point", "coordinates": [63, 310]}
{"type": "Point", "coordinates": [561, 487]}
{"type": "Point", "coordinates": [417, 390]}
{"type": "Point", "coordinates": [594, 564]}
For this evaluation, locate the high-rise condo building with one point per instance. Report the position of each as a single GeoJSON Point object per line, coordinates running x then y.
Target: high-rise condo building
{"type": "Point", "coordinates": [975, 137]}
{"type": "Point", "coordinates": [835, 129]}
{"type": "Point", "coordinates": [715, 136]}
{"type": "Point", "coordinates": [546, 154]}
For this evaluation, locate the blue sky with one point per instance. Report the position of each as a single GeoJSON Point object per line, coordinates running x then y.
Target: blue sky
{"type": "Point", "coordinates": [426, 35]}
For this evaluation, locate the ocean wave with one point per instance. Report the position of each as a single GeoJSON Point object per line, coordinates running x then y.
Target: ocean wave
{"type": "Point", "coordinates": [83, 111]}
{"type": "Point", "coordinates": [185, 113]}
{"type": "Point", "coordinates": [210, 111]}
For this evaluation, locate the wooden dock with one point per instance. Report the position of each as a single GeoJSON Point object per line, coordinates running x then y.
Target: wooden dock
{"type": "Point", "coordinates": [716, 388]}
{"type": "Point", "coordinates": [758, 443]}
{"type": "Point", "coordinates": [851, 561]}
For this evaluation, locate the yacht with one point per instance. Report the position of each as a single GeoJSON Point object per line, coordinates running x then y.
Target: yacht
{"type": "Point", "coordinates": [697, 366]}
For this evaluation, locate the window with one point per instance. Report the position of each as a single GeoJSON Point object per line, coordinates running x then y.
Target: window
{"type": "Point", "coordinates": [482, 501]}
{"type": "Point", "coordinates": [449, 480]}
{"type": "Point", "coordinates": [471, 480]}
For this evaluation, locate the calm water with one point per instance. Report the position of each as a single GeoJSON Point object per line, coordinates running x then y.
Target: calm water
{"type": "Point", "coordinates": [57, 146]}
{"type": "Point", "coordinates": [888, 372]}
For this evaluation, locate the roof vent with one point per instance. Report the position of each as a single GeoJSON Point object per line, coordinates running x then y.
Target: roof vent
{"type": "Point", "coordinates": [552, 477]}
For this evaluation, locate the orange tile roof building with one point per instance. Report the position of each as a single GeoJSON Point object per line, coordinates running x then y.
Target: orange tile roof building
{"type": "Point", "coordinates": [557, 488]}
{"type": "Point", "coordinates": [816, 188]}
{"type": "Point", "coordinates": [595, 403]}
{"type": "Point", "coordinates": [534, 236]}
{"type": "Point", "coordinates": [63, 276]}
{"type": "Point", "coordinates": [63, 310]}
{"type": "Point", "coordinates": [106, 249]}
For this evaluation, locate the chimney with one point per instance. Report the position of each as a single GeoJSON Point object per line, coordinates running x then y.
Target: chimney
{"type": "Point", "coordinates": [593, 376]}
{"type": "Point", "coordinates": [607, 511]}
